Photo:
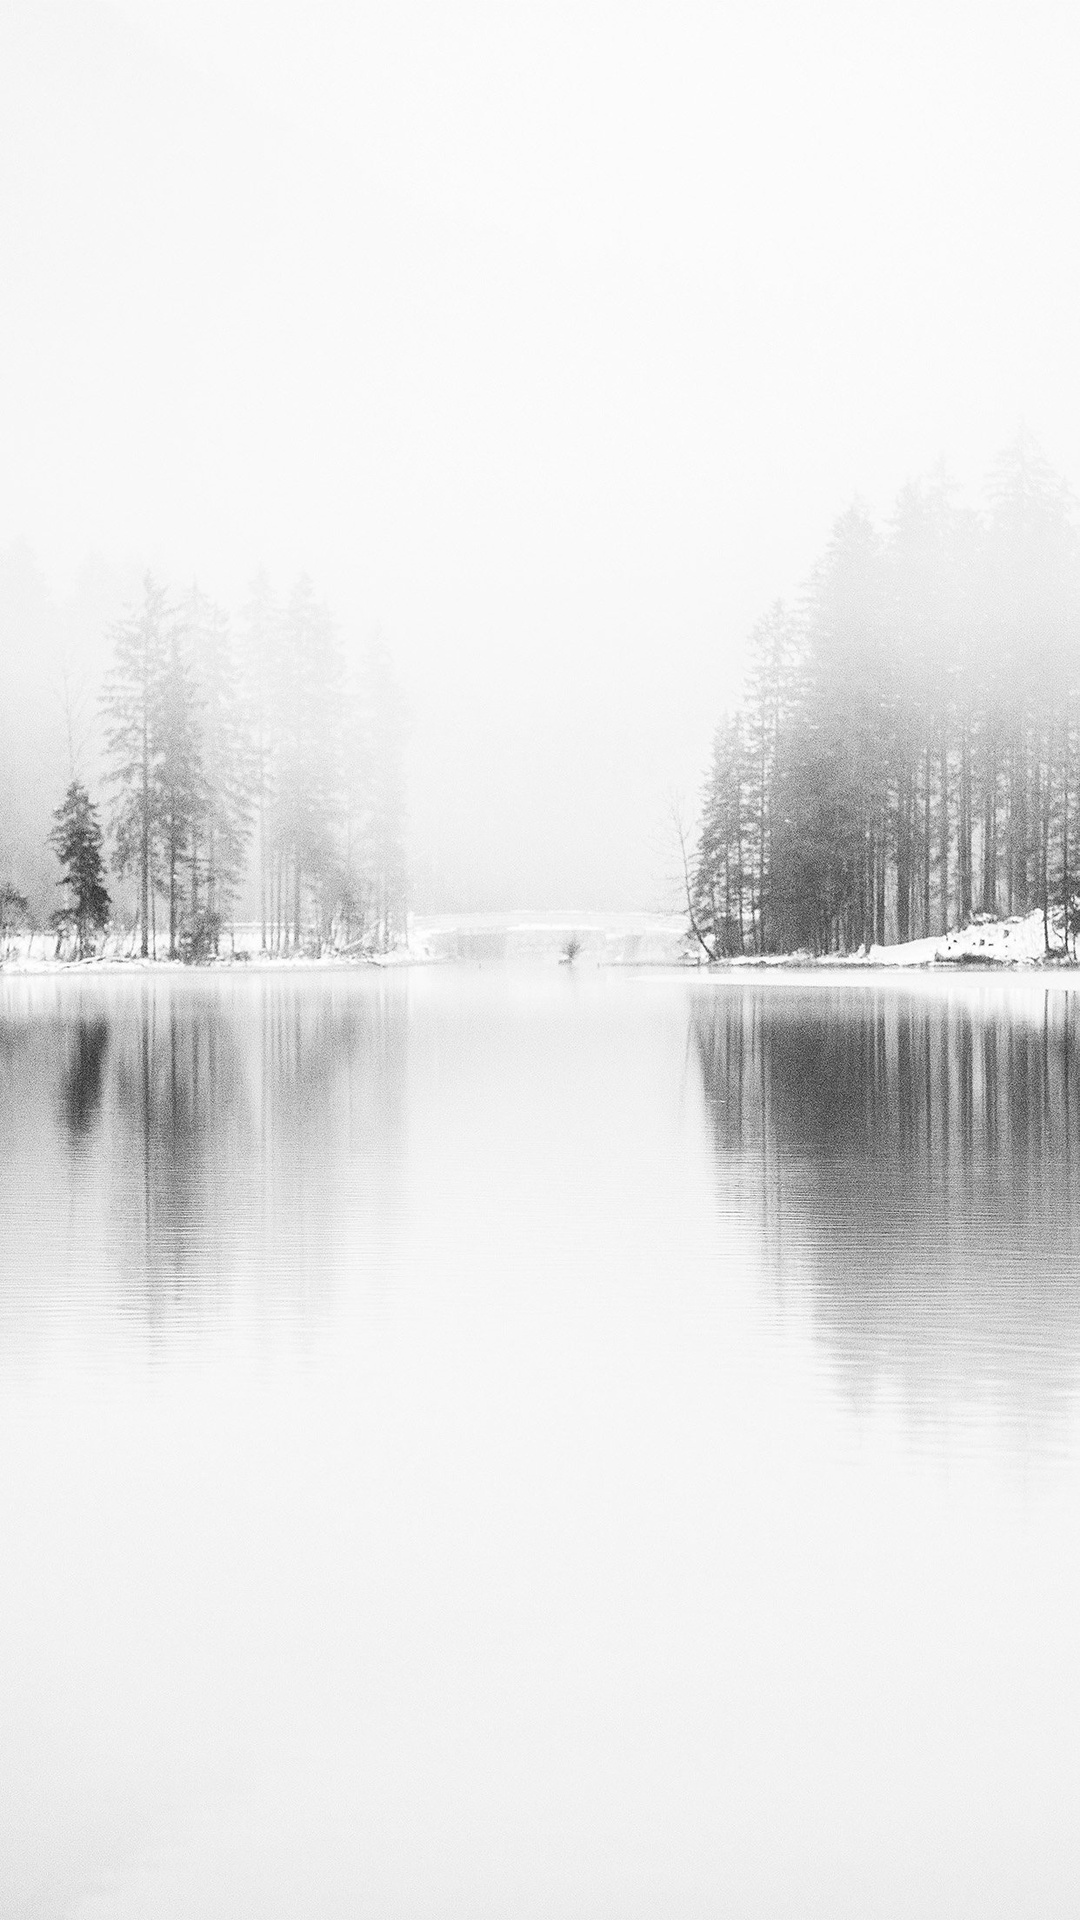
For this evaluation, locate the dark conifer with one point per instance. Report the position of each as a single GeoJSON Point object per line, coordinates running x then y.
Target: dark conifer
{"type": "Point", "coordinates": [909, 750]}
{"type": "Point", "coordinates": [77, 840]}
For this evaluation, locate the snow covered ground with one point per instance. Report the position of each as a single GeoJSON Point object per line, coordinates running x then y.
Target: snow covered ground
{"type": "Point", "coordinates": [601, 939]}
{"type": "Point", "coordinates": [1019, 941]}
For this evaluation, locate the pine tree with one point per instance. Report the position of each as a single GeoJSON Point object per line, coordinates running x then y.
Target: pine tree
{"type": "Point", "coordinates": [725, 864]}
{"type": "Point", "coordinates": [770, 698]}
{"type": "Point", "coordinates": [178, 772]}
{"type": "Point", "coordinates": [923, 757]}
{"type": "Point", "coordinates": [14, 910]}
{"type": "Point", "coordinates": [211, 739]}
{"type": "Point", "coordinates": [131, 701]}
{"type": "Point", "coordinates": [308, 773]}
{"type": "Point", "coordinates": [222, 813]}
{"type": "Point", "coordinates": [258, 677]}
{"type": "Point", "coordinates": [77, 840]}
{"type": "Point", "coordinates": [1030, 621]}
{"type": "Point", "coordinates": [384, 860]}
{"type": "Point", "coordinates": [847, 728]}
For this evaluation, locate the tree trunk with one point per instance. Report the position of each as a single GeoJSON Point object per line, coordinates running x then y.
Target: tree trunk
{"type": "Point", "coordinates": [903, 855]}
{"type": "Point", "coordinates": [1066, 877]}
{"type": "Point", "coordinates": [1043, 804]}
{"type": "Point", "coordinates": [927, 846]}
{"type": "Point", "coordinates": [762, 837]}
{"type": "Point", "coordinates": [144, 862]}
{"type": "Point", "coordinates": [989, 847]}
{"type": "Point", "coordinates": [879, 883]}
{"type": "Point", "coordinates": [944, 829]}
{"type": "Point", "coordinates": [964, 826]}
{"type": "Point", "coordinates": [172, 896]}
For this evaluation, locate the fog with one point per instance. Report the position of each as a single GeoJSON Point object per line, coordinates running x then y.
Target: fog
{"type": "Point", "coordinates": [549, 340]}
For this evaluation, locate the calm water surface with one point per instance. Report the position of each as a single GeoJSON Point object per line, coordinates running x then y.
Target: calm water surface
{"type": "Point", "coordinates": [494, 1443]}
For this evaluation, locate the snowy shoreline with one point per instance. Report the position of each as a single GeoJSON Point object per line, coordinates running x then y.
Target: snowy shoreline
{"type": "Point", "coordinates": [1014, 945]}
{"type": "Point", "coordinates": [18, 967]}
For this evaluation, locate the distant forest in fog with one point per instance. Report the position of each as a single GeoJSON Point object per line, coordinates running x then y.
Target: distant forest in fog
{"type": "Point", "coordinates": [234, 767]}
{"type": "Point", "coordinates": [905, 757]}
{"type": "Point", "coordinates": [907, 751]}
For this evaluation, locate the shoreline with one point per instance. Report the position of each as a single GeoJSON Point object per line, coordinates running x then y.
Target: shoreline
{"type": "Point", "coordinates": [1016, 945]}
{"type": "Point", "coordinates": [114, 964]}
{"type": "Point", "coordinates": [1050, 968]}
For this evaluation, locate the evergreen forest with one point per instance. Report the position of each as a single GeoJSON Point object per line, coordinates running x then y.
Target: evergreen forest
{"type": "Point", "coordinates": [906, 754]}
{"type": "Point", "coordinates": [243, 769]}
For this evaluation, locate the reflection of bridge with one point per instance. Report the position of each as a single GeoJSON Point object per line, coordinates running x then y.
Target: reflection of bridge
{"type": "Point", "coordinates": [603, 939]}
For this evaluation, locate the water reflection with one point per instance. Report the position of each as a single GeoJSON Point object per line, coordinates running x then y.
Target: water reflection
{"type": "Point", "coordinates": [906, 1155]}
{"type": "Point", "coordinates": [83, 1080]}
{"type": "Point", "coordinates": [212, 1137]}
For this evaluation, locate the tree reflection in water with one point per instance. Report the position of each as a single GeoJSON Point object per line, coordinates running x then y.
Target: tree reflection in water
{"type": "Point", "coordinates": [84, 1079]}
{"type": "Point", "coordinates": [906, 1152]}
{"type": "Point", "coordinates": [259, 1129]}
{"type": "Point", "coordinates": [215, 1136]}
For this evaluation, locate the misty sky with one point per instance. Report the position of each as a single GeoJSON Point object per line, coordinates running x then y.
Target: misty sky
{"type": "Point", "coordinates": [548, 338]}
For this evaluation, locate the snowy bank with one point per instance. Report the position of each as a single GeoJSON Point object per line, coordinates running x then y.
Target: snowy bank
{"type": "Point", "coordinates": [1017, 941]}
{"type": "Point", "coordinates": [598, 939]}
{"type": "Point", "coordinates": [477, 939]}
{"type": "Point", "coordinates": [241, 949]}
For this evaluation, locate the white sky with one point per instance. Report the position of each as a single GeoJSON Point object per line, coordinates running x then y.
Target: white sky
{"type": "Point", "coordinates": [550, 338]}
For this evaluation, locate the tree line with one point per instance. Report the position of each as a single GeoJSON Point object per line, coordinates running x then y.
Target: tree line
{"type": "Point", "coordinates": [906, 754]}
{"type": "Point", "coordinates": [237, 755]}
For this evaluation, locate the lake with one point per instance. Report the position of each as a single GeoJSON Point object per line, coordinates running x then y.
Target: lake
{"type": "Point", "coordinates": [493, 1441]}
